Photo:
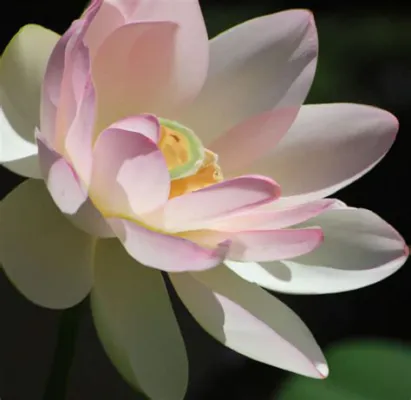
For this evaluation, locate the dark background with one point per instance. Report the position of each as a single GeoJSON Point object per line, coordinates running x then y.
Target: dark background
{"type": "Point", "coordinates": [365, 57]}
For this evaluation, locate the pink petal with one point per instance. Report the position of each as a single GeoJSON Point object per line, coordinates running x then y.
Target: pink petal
{"type": "Point", "coordinates": [165, 252]}
{"type": "Point", "coordinates": [249, 320]}
{"type": "Point", "coordinates": [67, 66]}
{"type": "Point", "coordinates": [328, 147]}
{"type": "Point", "coordinates": [144, 124]}
{"type": "Point", "coordinates": [149, 66]}
{"type": "Point", "coordinates": [130, 175]}
{"type": "Point", "coordinates": [359, 250]}
{"type": "Point", "coordinates": [107, 20]}
{"type": "Point", "coordinates": [261, 246]}
{"type": "Point", "coordinates": [264, 64]}
{"type": "Point", "coordinates": [191, 40]}
{"type": "Point", "coordinates": [195, 209]}
{"type": "Point", "coordinates": [268, 217]}
{"type": "Point", "coordinates": [68, 193]}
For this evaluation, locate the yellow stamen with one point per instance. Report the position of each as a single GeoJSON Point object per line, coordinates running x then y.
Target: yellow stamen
{"type": "Point", "coordinates": [191, 166]}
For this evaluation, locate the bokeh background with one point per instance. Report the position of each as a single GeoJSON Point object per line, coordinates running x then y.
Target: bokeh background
{"type": "Point", "coordinates": [365, 57]}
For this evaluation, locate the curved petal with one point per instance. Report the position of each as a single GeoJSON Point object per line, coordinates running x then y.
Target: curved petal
{"type": "Point", "coordinates": [263, 64]}
{"type": "Point", "coordinates": [46, 258]}
{"type": "Point", "coordinates": [267, 218]}
{"type": "Point", "coordinates": [65, 77]}
{"type": "Point", "coordinates": [136, 324]}
{"type": "Point", "coordinates": [165, 252]}
{"type": "Point", "coordinates": [250, 321]}
{"type": "Point", "coordinates": [196, 209]}
{"type": "Point", "coordinates": [328, 147]}
{"type": "Point", "coordinates": [106, 21]}
{"type": "Point", "coordinates": [22, 68]}
{"type": "Point", "coordinates": [149, 66]}
{"type": "Point", "coordinates": [191, 38]}
{"type": "Point", "coordinates": [266, 245]}
{"type": "Point", "coordinates": [130, 175]}
{"type": "Point", "coordinates": [359, 250]}
{"type": "Point", "coordinates": [68, 193]}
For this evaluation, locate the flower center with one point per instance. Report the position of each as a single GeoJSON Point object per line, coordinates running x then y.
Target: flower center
{"type": "Point", "coordinates": [191, 165]}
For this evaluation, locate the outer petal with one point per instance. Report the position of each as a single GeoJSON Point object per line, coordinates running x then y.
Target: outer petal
{"type": "Point", "coordinates": [197, 209]}
{"type": "Point", "coordinates": [250, 321]}
{"type": "Point", "coordinates": [130, 175]}
{"type": "Point", "coordinates": [265, 218]}
{"type": "Point", "coordinates": [163, 251]}
{"type": "Point", "coordinates": [263, 64]}
{"type": "Point", "coordinates": [135, 322]}
{"type": "Point", "coordinates": [265, 245]}
{"type": "Point", "coordinates": [68, 192]}
{"type": "Point", "coordinates": [21, 73]}
{"type": "Point", "coordinates": [46, 257]}
{"type": "Point", "coordinates": [328, 147]}
{"type": "Point", "coordinates": [359, 249]}
{"type": "Point", "coordinates": [66, 75]}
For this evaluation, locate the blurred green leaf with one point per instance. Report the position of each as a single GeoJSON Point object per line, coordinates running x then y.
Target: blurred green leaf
{"type": "Point", "coordinates": [365, 370]}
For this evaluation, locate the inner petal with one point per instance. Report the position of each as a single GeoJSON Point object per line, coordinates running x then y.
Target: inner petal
{"type": "Point", "coordinates": [191, 165]}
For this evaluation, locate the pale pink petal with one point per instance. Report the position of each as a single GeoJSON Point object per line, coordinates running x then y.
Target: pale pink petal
{"type": "Point", "coordinates": [68, 192]}
{"type": "Point", "coordinates": [107, 20]}
{"type": "Point", "coordinates": [79, 139]}
{"type": "Point", "coordinates": [328, 147]}
{"type": "Point", "coordinates": [264, 64]}
{"type": "Point", "coordinates": [130, 175]}
{"type": "Point", "coordinates": [144, 124]}
{"type": "Point", "coordinates": [250, 321]}
{"type": "Point", "coordinates": [165, 252]}
{"type": "Point", "coordinates": [194, 210]}
{"type": "Point", "coordinates": [149, 71]}
{"type": "Point", "coordinates": [191, 40]}
{"type": "Point", "coordinates": [268, 218]}
{"type": "Point", "coordinates": [267, 245]}
{"type": "Point", "coordinates": [66, 74]}
{"type": "Point", "coordinates": [359, 250]}
{"type": "Point", "coordinates": [253, 139]}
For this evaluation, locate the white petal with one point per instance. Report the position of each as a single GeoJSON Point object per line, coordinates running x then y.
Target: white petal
{"type": "Point", "coordinates": [21, 74]}
{"type": "Point", "coordinates": [328, 147]}
{"type": "Point", "coordinates": [359, 250]}
{"type": "Point", "coordinates": [136, 324]}
{"type": "Point", "coordinates": [250, 321]}
{"type": "Point", "coordinates": [43, 254]}
{"type": "Point", "coordinates": [261, 64]}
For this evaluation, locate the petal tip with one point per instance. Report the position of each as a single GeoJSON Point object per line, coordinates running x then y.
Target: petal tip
{"type": "Point", "coordinates": [322, 369]}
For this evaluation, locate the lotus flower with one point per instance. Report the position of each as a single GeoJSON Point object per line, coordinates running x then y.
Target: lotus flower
{"type": "Point", "coordinates": [152, 149]}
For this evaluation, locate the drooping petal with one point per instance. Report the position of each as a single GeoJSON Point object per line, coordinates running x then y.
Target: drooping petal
{"type": "Point", "coordinates": [266, 245]}
{"type": "Point", "coordinates": [149, 69]}
{"type": "Point", "coordinates": [68, 192]}
{"type": "Point", "coordinates": [328, 147]}
{"type": "Point", "coordinates": [267, 218]}
{"type": "Point", "coordinates": [42, 253]}
{"type": "Point", "coordinates": [250, 321]}
{"type": "Point", "coordinates": [22, 68]}
{"type": "Point", "coordinates": [194, 210]}
{"type": "Point", "coordinates": [135, 322]}
{"type": "Point", "coordinates": [163, 251]}
{"type": "Point", "coordinates": [359, 250]}
{"type": "Point", "coordinates": [263, 64]}
{"type": "Point", "coordinates": [130, 175]}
